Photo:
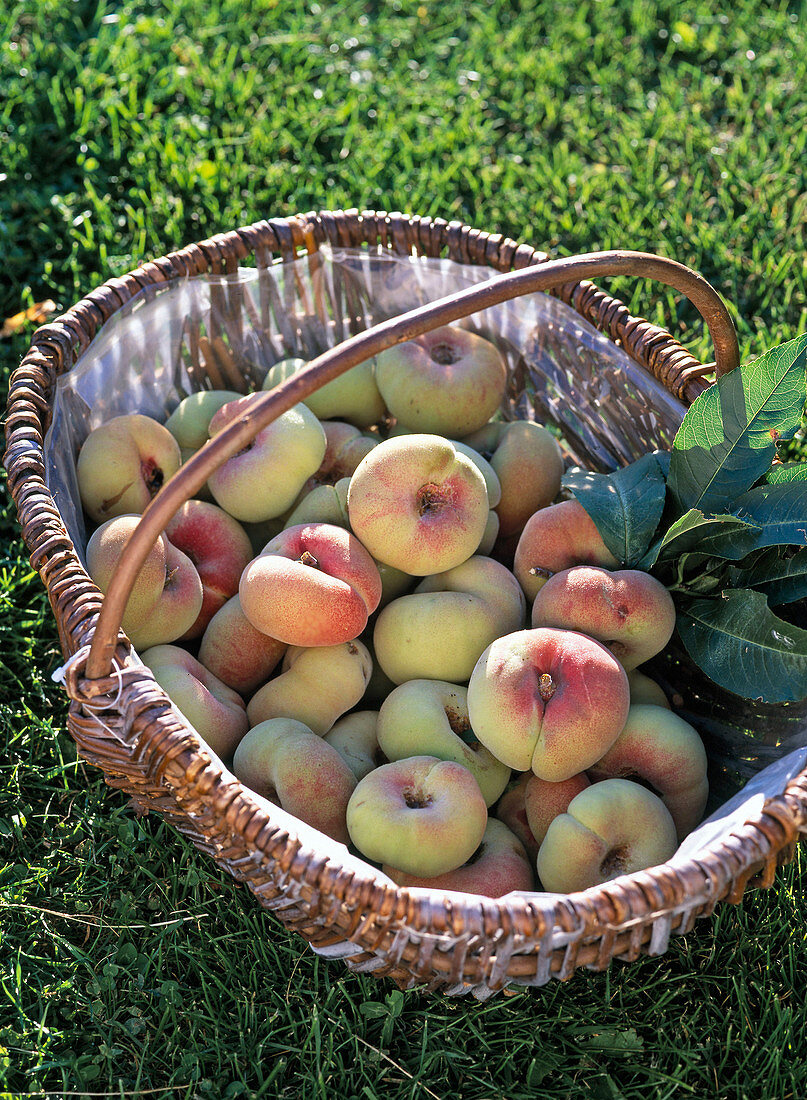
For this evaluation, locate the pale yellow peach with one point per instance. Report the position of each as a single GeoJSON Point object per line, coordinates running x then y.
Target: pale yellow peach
{"type": "Point", "coordinates": [430, 718]}
{"type": "Point", "coordinates": [422, 815]}
{"type": "Point", "coordinates": [316, 686]}
{"type": "Point", "coordinates": [438, 631]}
{"type": "Point", "coordinates": [612, 828]}
{"type": "Point", "coordinates": [123, 463]}
{"type": "Point", "coordinates": [355, 738]}
{"type": "Point", "coordinates": [448, 382]}
{"type": "Point", "coordinates": [264, 479]}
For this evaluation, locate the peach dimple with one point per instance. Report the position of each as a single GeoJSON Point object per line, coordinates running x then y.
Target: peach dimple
{"type": "Point", "coordinates": [418, 504]}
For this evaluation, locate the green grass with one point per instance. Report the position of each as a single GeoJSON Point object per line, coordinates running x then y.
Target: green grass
{"type": "Point", "coordinates": [129, 966]}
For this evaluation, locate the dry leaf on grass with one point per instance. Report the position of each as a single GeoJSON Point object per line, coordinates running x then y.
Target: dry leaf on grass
{"type": "Point", "coordinates": [37, 313]}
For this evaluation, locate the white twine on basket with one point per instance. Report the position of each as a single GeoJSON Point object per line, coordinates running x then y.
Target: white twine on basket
{"type": "Point", "coordinates": [103, 703]}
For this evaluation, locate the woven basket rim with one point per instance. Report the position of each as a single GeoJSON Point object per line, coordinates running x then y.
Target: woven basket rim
{"type": "Point", "coordinates": [448, 943]}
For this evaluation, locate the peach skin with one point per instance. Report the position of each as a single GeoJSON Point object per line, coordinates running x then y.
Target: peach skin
{"type": "Point", "coordinates": [220, 549]}
{"type": "Point", "coordinates": [555, 538]}
{"type": "Point", "coordinates": [629, 611]}
{"type": "Point", "coordinates": [664, 751]}
{"type": "Point", "coordinates": [438, 631]}
{"type": "Point", "coordinates": [314, 584]}
{"type": "Point", "coordinates": [529, 464]}
{"type": "Point", "coordinates": [215, 711]}
{"type": "Point", "coordinates": [232, 649]}
{"type": "Point", "coordinates": [316, 686]}
{"type": "Point", "coordinates": [430, 718]}
{"type": "Point", "coordinates": [167, 596]}
{"type": "Point", "coordinates": [499, 866]}
{"type": "Point", "coordinates": [286, 762]}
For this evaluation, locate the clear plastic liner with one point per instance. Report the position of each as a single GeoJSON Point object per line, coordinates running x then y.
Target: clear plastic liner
{"type": "Point", "coordinates": [144, 358]}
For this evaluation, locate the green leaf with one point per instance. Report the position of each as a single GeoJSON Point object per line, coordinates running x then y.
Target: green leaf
{"type": "Point", "coordinates": [707, 534]}
{"type": "Point", "coordinates": [625, 505]}
{"type": "Point", "coordinates": [781, 578]}
{"type": "Point", "coordinates": [786, 471]}
{"type": "Point", "coordinates": [727, 439]}
{"type": "Point", "coordinates": [780, 511]}
{"type": "Point", "coordinates": [740, 644]}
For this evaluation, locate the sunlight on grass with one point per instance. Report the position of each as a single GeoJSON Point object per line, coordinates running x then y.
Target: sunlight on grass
{"type": "Point", "coordinates": [129, 965]}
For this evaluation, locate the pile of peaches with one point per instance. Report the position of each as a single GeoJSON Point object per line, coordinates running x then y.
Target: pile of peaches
{"type": "Point", "coordinates": [384, 617]}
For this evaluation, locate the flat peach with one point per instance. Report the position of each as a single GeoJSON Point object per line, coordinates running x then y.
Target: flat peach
{"type": "Point", "coordinates": [549, 700]}
{"type": "Point", "coordinates": [314, 584]}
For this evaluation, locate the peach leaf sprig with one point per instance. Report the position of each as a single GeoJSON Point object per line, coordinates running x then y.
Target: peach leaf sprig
{"type": "Point", "coordinates": [722, 522]}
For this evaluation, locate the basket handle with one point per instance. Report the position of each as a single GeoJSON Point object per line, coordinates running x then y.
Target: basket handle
{"type": "Point", "coordinates": [190, 478]}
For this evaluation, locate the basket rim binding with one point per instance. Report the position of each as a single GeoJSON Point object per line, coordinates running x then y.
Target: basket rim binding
{"type": "Point", "coordinates": [145, 750]}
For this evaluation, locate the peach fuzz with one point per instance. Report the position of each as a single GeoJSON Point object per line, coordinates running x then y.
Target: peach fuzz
{"type": "Point", "coordinates": [190, 421]}
{"type": "Point", "coordinates": [286, 762]}
{"type": "Point", "coordinates": [555, 538]}
{"type": "Point", "coordinates": [220, 549]}
{"type": "Point", "coordinates": [499, 866]}
{"type": "Point", "coordinates": [263, 480]}
{"type": "Point", "coordinates": [543, 801]}
{"type": "Point", "coordinates": [612, 828]}
{"type": "Point", "coordinates": [664, 751]}
{"type": "Point", "coordinates": [529, 464]}
{"type": "Point", "coordinates": [417, 504]}
{"type": "Point", "coordinates": [448, 382]}
{"type": "Point", "coordinates": [553, 701]}
{"type": "Point", "coordinates": [123, 463]}
{"type": "Point", "coordinates": [345, 447]}
{"type": "Point", "coordinates": [355, 738]}
{"type": "Point", "coordinates": [215, 711]}
{"type": "Point", "coordinates": [511, 810]}
{"type": "Point", "coordinates": [353, 396]}
{"type": "Point", "coordinates": [430, 718]}
{"type": "Point", "coordinates": [238, 654]}
{"type": "Point", "coordinates": [167, 595]}
{"type": "Point", "coordinates": [438, 631]}
{"type": "Point", "coordinates": [422, 815]}
{"type": "Point", "coordinates": [315, 686]}
{"type": "Point", "coordinates": [314, 584]}
{"type": "Point", "coordinates": [629, 611]}
{"type": "Point", "coordinates": [644, 689]}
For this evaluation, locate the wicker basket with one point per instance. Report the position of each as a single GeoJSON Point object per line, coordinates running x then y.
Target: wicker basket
{"type": "Point", "coordinates": [123, 722]}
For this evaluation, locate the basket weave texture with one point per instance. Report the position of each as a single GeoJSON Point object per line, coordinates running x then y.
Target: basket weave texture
{"type": "Point", "coordinates": [123, 722]}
